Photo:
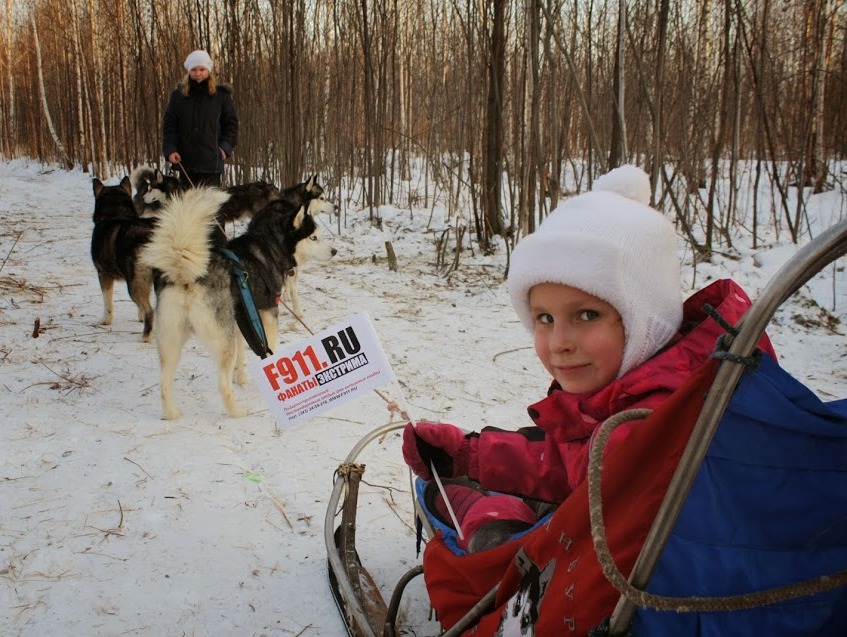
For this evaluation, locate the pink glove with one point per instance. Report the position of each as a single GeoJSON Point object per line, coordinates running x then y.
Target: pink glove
{"type": "Point", "coordinates": [447, 446]}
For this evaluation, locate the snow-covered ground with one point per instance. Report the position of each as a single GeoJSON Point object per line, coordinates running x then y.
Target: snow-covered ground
{"type": "Point", "coordinates": [115, 522]}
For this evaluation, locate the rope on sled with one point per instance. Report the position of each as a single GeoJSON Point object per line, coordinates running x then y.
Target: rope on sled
{"type": "Point", "coordinates": [725, 340]}
{"type": "Point", "coordinates": [678, 604]}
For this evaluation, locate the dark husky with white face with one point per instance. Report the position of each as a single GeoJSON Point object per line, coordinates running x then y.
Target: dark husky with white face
{"type": "Point", "coordinates": [152, 189]}
{"type": "Point", "coordinates": [196, 293]}
{"type": "Point", "coordinates": [309, 194]}
{"type": "Point", "coordinates": [118, 235]}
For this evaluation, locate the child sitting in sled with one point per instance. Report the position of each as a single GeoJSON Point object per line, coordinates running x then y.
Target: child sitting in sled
{"type": "Point", "coordinates": [599, 287]}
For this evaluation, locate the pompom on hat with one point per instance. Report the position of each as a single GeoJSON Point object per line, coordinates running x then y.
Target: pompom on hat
{"type": "Point", "coordinates": [199, 58]}
{"type": "Point", "coordinates": [610, 243]}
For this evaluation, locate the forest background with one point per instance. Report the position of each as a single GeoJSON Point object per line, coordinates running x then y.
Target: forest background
{"type": "Point", "coordinates": [507, 106]}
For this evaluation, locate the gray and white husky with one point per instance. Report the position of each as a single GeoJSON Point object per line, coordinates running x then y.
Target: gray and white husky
{"type": "Point", "coordinates": [310, 194]}
{"type": "Point", "coordinates": [196, 292]}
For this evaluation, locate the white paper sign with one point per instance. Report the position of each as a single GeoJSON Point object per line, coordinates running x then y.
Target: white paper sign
{"type": "Point", "coordinates": [340, 363]}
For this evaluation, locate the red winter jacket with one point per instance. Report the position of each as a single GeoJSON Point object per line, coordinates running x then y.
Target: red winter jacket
{"type": "Point", "coordinates": [549, 460]}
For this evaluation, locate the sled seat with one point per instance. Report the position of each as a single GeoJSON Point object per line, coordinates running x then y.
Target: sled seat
{"type": "Point", "coordinates": [429, 523]}
{"type": "Point", "coordinates": [767, 510]}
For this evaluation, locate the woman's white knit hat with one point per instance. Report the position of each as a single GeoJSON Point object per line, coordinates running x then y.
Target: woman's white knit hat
{"type": "Point", "coordinates": [610, 243]}
{"type": "Point", "coordinates": [198, 58]}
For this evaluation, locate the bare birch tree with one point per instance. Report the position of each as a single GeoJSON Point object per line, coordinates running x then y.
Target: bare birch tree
{"type": "Point", "coordinates": [10, 122]}
{"type": "Point", "coordinates": [99, 151]}
{"type": "Point", "coordinates": [60, 147]}
{"type": "Point", "coordinates": [80, 103]}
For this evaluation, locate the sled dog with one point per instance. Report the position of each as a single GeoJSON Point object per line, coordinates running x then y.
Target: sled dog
{"type": "Point", "coordinates": [245, 200]}
{"type": "Point", "coordinates": [196, 292]}
{"type": "Point", "coordinates": [152, 189]}
{"type": "Point", "coordinates": [310, 194]}
{"type": "Point", "coordinates": [118, 235]}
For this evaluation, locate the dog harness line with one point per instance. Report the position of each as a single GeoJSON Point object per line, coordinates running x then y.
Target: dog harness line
{"type": "Point", "coordinates": [241, 277]}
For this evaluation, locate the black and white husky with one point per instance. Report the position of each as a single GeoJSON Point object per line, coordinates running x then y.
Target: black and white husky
{"type": "Point", "coordinates": [119, 233]}
{"type": "Point", "coordinates": [153, 189]}
{"type": "Point", "coordinates": [196, 293]}
{"type": "Point", "coordinates": [245, 200]}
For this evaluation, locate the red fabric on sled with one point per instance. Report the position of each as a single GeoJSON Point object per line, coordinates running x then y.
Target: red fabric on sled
{"type": "Point", "coordinates": [635, 478]}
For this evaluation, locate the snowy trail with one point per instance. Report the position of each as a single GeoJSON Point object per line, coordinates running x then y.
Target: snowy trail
{"type": "Point", "coordinates": [117, 522]}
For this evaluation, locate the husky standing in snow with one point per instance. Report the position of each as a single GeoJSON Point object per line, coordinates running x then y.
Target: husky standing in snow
{"type": "Point", "coordinates": [310, 194]}
{"type": "Point", "coordinates": [119, 233]}
{"type": "Point", "coordinates": [197, 293]}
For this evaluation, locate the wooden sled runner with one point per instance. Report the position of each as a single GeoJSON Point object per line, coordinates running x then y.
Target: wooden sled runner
{"type": "Point", "coordinates": [726, 515]}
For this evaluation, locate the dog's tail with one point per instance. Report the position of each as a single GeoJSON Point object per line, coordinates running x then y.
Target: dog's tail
{"type": "Point", "coordinates": [180, 246]}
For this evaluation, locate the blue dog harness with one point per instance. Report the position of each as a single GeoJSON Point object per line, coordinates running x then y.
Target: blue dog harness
{"type": "Point", "coordinates": [255, 337]}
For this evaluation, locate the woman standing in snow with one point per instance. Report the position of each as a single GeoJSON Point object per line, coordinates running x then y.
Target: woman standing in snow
{"type": "Point", "coordinates": [200, 127]}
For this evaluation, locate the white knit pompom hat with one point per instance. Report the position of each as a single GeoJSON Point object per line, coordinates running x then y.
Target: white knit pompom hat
{"type": "Point", "coordinates": [610, 243]}
{"type": "Point", "coordinates": [198, 58]}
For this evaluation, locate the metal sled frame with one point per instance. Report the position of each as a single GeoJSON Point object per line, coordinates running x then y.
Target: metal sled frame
{"type": "Point", "coordinates": [363, 609]}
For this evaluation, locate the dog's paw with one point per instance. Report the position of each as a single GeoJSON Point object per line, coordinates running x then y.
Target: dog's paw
{"type": "Point", "coordinates": [240, 377]}
{"type": "Point", "coordinates": [236, 410]}
{"type": "Point", "coordinates": [171, 413]}
{"type": "Point", "coordinates": [106, 320]}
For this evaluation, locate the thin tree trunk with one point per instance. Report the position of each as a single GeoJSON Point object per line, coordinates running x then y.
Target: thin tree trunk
{"type": "Point", "coordinates": [659, 92]}
{"type": "Point", "coordinates": [818, 154]}
{"type": "Point", "coordinates": [617, 145]}
{"type": "Point", "coordinates": [369, 181]}
{"type": "Point", "coordinates": [11, 118]}
{"type": "Point", "coordinates": [99, 152]}
{"type": "Point", "coordinates": [43, 94]}
{"type": "Point", "coordinates": [552, 173]}
{"type": "Point", "coordinates": [80, 104]}
{"type": "Point", "coordinates": [720, 132]}
{"type": "Point", "coordinates": [531, 110]}
{"type": "Point", "coordinates": [736, 126]}
{"type": "Point", "coordinates": [493, 164]}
